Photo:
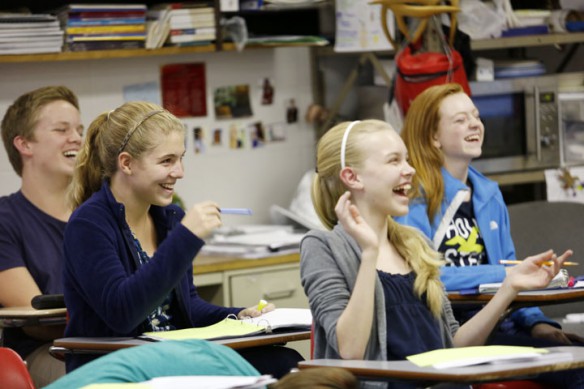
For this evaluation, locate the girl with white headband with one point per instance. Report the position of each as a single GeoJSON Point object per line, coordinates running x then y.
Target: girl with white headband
{"type": "Point", "coordinates": [373, 285]}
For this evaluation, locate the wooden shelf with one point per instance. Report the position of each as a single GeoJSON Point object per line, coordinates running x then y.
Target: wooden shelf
{"type": "Point", "coordinates": [107, 54]}
{"type": "Point", "coordinates": [134, 53]}
{"type": "Point", "coordinates": [528, 41]}
{"type": "Point", "coordinates": [490, 44]}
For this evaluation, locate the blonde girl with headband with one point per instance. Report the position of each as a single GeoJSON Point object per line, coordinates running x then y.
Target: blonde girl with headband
{"type": "Point", "coordinates": [372, 284]}
{"type": "Point", "coordinates": [128, 250]}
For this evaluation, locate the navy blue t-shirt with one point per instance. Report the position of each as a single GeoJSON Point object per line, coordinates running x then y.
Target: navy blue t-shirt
{"type": "Point", "coordinates": [32, 239]}
{"type": "Point", "coordinates": [463, 244]}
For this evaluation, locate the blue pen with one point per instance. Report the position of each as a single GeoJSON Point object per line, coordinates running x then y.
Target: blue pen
{"type": "Point", "coordinates": [235, 211]}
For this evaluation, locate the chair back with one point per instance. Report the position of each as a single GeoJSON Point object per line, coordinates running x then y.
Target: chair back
{"type": "Point", "coordinates": [537, 226]}
{"type": "Point", "coordinates": [13, 371]}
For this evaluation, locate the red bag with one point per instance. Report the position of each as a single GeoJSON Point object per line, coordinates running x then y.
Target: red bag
{"type": "Point", "coordinates": [416, 72]}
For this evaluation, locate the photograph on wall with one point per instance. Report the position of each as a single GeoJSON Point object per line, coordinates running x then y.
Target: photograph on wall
{"type": "Point", "coordinates": [257, 134]}
{"type": "Point", "coordinates": [276, 132]}
{"type": "Point", "coordinates": [236, 137]}
{"type": "Point", "coordinates": [184, 89]}
{"type": "Point", "coordinates": [232, 102]}
{"type": "Point", "coordinates": [199, 140]}
{"type": "Point", "coordinates": [217, 137]}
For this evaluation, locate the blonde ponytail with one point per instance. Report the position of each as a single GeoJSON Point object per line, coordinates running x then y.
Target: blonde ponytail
{"type": "Point", "coordinates": [88, 171]}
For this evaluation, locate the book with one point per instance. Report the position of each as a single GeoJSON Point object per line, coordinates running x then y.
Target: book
{"type": "Point", "coordinates": [476, 355]}
{"type": "Point", "coordinates": [183, 38]}
{"type": "Point", "coordinates": [105, 22]}
{"type": "Point", "coordinates": [104, 45]}
{"type": "Point", "coordinates": [105, 7]}
{"type": "Point", "coordinates": [559, 281]}
{"type": "Point", "coordinates": [280, 318]}
{"type": "Point", "coordinates": [130, 28]}
{"type": "Point", "coordinates": [105, 37]}
{"type": "Point", "coordinates": [106, 15]}
{"type": "Point", "coordinates": [192, 21]}
{"type": "Point", "coordinates": [193, 31]}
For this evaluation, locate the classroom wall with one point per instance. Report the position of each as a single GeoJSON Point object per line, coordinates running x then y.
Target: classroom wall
{"type": "Point", "coordinates": [254, 178]}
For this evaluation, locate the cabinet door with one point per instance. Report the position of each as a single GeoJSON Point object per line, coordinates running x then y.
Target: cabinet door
{"type": "Point", "coordinates": [279, 286]}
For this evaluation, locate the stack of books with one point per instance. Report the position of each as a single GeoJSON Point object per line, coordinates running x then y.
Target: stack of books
{"type": "Point", "coordinates": [188, 23]}
{"type": "Point", "coordinates": [29, 34]}
{"type": "Point", "coordinates": [104, 26]}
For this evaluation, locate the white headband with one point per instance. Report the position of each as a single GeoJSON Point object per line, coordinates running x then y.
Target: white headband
{"type": "Point", "coordinates": [344, 142]}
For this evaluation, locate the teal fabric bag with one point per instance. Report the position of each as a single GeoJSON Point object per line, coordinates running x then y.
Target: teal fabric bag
{"type": "Point", "coordinates": [160, 359]}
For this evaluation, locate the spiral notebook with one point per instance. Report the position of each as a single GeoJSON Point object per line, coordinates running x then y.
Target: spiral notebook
{"type": "Point", "coordinates": [231, 327]}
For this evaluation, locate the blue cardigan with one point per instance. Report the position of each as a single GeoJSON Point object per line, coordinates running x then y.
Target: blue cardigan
{"type": "Point", "coordinates": [108, 293]}
{"type": "Point", "coordinates": [493, 221]}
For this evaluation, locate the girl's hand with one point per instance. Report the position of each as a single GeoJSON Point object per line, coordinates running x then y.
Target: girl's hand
{"type": "Point", "coordinates": [253, 311]}
{"type": "Point", "coordinates": [354, 224]}
{"type": "Point", "coordinates": [202, 219]}
{"type": "Point", "coordinates": [537, 271]}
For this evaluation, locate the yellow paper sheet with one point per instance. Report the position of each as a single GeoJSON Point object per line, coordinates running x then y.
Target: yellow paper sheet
{"type": "Point", "coordinates": [226, 328]}
{"type": "Point", "coordinates": [434, 357]}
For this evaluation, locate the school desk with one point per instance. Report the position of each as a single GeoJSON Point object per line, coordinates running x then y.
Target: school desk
{"type": "Point", "coordinates": [87, 345]}
{"type": "Point", "coordinates": [28, 316]}
{"type": "Point", "coordinates": [523, 299]}
{"type": "Point", "coordinates": [406, 370]}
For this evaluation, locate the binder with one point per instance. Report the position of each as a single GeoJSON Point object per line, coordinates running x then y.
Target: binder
{"type": "Point", "coordinates": [231, 327]}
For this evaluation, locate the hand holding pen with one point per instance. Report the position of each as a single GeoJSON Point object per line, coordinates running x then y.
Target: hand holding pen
{"type": "Point", "coordinates": [534, 272]}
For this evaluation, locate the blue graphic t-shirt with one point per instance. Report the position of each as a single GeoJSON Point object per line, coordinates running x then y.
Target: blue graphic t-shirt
{"type": "Point", "coordinates": [463, 244]}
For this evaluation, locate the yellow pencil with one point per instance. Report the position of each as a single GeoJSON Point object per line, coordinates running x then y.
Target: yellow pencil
{"type": "Point", "coordinates": [549, 263]}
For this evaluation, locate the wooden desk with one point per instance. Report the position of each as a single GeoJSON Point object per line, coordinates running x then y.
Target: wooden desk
{"type": "Point", "coordinates": [405, 370]}
{"type": "Point", "coordinates": [28, 316]}
{"type": "Point", "coordinates": [106, 345]}
{"type": "Point", "coordinates": [523, 299]}
{"type": "Point", "coordinates": [211, 264]}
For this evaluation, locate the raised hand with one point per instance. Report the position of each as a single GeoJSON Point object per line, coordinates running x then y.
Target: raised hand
{"type": "Point", "coordinates": [354, 224]}
{"type": "Point", "coordinates": [537, 271]}
{"type": "Point", "coordinates": [202, 219]}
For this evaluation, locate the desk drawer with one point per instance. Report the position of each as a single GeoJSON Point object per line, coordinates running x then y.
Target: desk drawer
{"type": "Point", "coordinates": [281, 287]}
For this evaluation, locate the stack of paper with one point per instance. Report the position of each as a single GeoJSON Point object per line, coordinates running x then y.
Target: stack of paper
{"type": "Point", "coordinates": [255, 243]}
{"type": "Point", "coordinates": [29, 34]}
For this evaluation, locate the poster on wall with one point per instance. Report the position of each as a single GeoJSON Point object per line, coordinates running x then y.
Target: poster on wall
{"type": "Point", "coordinates": [184, 89]}
{"type": "Point", "coordinates": [358, 27]}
